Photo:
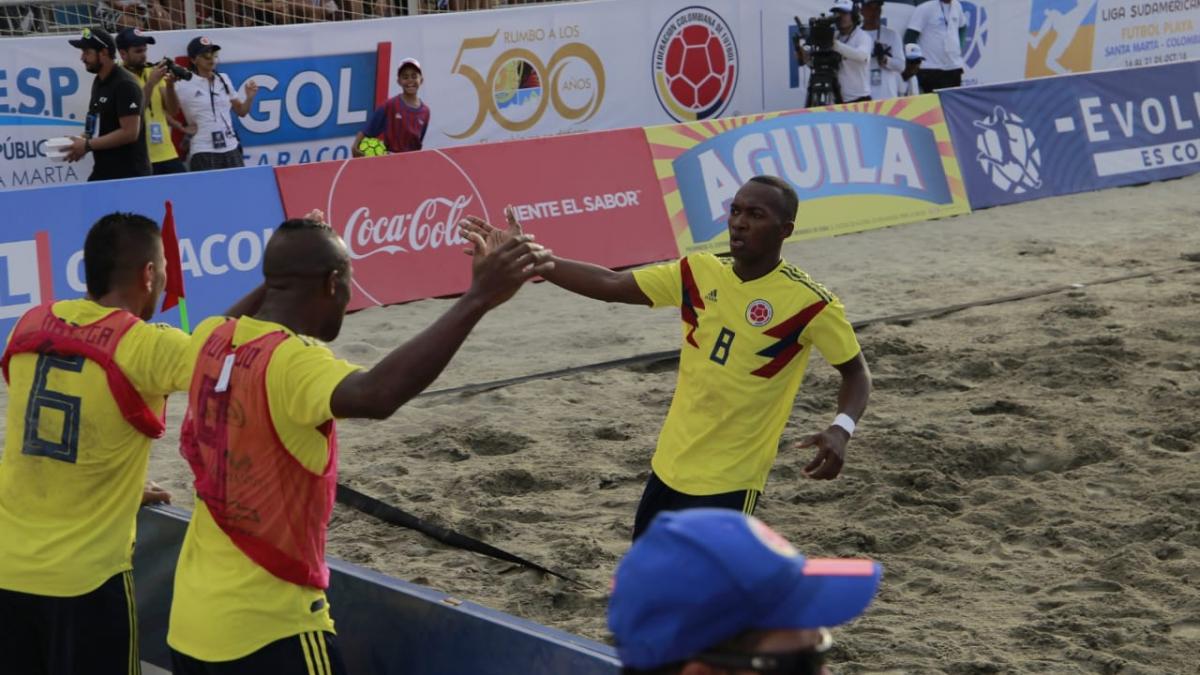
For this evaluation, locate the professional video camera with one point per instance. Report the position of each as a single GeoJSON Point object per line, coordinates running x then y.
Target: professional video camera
{"type": "Point", "coordinates": [175, 69]}
{"type": "Point", "coordinates": [823, 61]}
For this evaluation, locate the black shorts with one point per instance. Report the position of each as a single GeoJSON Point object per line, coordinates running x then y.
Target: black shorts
{"type": "Point", "coordinates": [312, 653]}
{"type": "Point", "coordinates": [932, 80]}
{"type": "Point", "coordinates": [91, 633]}
{"type": "Point", "coordinates": [168, 167]}
{"type": "Point", "coordinates": [658, 496]}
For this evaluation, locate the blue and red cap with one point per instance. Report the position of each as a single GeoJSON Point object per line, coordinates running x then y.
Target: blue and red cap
{"type": "Point", "coordinates": [699, 577]}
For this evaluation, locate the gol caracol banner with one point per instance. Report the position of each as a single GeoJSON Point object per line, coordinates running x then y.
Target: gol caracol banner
{"type": "Point", "coordinates": [589, 196]}
{"type": "Point", "coordinates": [855, 167]}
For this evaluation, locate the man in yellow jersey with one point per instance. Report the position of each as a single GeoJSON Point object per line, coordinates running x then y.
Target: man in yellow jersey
{"type": "Point", "coordinates": [259, 435]}
{"type": "Point", "coordinates": [750, 324]}
{"type": "Point", "coordinates": [87, 381]}
{"type": "Point", "coordinates": [158, 92]}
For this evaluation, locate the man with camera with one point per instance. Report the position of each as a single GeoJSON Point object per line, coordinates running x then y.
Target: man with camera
{"type": "Point", "coordinates": [113, 130]}
{"type": "Point", "coordinates": [853, 48]}
{"type": "Point", "coordinates": [158, 91]}
{"type": "Point", "coordinates": [887, 60]}
{"type": "Point", "coordinates": [940, 28]}
{"type": "Point", "coordinates": [207, 100]}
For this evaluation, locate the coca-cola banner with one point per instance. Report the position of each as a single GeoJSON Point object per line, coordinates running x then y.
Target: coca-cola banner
{"type": "Point", "coordinates": [588, 196]}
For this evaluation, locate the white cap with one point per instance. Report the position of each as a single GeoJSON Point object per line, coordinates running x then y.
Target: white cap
{"type": "Point", "coordinates": [409, 62]}
{"type": "Point", "coordinates": [842, 6]}
{"type": "Point", "coordinates": [912, 52]}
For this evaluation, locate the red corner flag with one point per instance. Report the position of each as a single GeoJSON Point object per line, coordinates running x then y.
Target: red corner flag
{"type": "Point", "coordinates": [174, 290]}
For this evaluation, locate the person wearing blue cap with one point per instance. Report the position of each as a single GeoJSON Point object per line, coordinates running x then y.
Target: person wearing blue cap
{"type": "Point", "coordinates": [713, 590]}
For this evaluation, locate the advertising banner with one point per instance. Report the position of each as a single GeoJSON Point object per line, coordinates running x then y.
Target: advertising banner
{"type": "Point", "coordinates": [587, 196]}
{"type": "Point", "coordinates": [855, 167]}
{"type": "Point", "coordinates": [488, 76]}
{"type": "Point", "coordinates": [1061, 135]}
{"type": "Point", "coordinates": [1077, 36]}
{"type": "Point", "coordinates": [223, 218]}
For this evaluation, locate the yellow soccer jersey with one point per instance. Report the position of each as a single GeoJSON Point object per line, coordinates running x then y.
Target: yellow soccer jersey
{"type": "Point", "coordinates": [158, 131]}
{"type": "Point", "coordinates": [226, 606]}
{"type": "Point", "coordinates": [67, 522]}
{"type": "Point", "coordinates": [745, 347]}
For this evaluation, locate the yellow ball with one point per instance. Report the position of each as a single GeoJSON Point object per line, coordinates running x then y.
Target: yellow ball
{"type": "Point", "coordinates": [372, 147]}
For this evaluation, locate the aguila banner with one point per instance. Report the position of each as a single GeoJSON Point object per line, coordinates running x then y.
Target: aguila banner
{"type": "Point", "coordinates": [588, 196]}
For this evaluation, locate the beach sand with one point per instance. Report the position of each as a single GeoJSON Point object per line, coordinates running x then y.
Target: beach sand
{"type": "Point", "coordinates": [1027, 471]}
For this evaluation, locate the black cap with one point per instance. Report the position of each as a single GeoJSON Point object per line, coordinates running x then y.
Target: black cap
{"type": "Point", "coordinates": [95, 38]}
{"type": "Point", "coordinates": [200, 45]}
{"type": "Point", "coordinates": [133, 37]}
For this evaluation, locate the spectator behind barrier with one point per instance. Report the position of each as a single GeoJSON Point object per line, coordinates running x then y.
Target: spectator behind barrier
{"type": "Point", "coordinates": [714, 590]}
{"type": "Point", "coordinates": [402, 121]}
{"type": "Point", "coordinates": [207, 100]}
{"type": "Point", "coordinates": [158, 92]}
{"type": "Point", "coordinates": [887, 59]}
{"type": "Point", "coordinates": [909, 86]}
{"type": "Point", "coordinates": [940, 28]}
{"type": "Point", "coordinates": [113, 131]}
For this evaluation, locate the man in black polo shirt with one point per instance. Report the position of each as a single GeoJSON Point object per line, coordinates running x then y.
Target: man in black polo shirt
{"type": "Point", "coordinates": [113, 131]}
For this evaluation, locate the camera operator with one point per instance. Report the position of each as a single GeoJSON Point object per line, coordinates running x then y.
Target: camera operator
{"type": "Point", "coordinates": [113, 130]}
{"type": "Point", "coordinates": [854, 45]}
{"type": "Point", "coordinates": [887, 60]}
{"type": "Point", "coordinates": [207, 100]}
{"type": "Point", "coordinates": [158, 91]}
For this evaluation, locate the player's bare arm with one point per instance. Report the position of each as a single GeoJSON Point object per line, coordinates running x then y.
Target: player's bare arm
{"type": "Point", "coordinates": [497, 274]}
{"type": "Point", "coordinates": [853, 395]}
{"type": "Point", "coordinates": [593, 281]}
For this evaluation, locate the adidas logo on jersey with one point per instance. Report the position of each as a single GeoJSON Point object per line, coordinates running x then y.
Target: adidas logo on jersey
{"type": "Point", "coordinates": [712, 295]}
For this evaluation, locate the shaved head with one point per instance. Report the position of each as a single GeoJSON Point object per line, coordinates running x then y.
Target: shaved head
{"type": "Point", "coordinates": [303, 249]}
{"type": "Point", "coordinates": [307, 272]}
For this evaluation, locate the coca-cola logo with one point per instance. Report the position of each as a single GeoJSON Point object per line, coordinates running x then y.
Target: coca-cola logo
{"type": "Point", "coordinates": [431, 225]}
{"type": "Point", "coordinates": [398, 216]}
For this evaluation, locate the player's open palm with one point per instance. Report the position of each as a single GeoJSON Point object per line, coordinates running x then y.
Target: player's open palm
{"type": "Point", "coordinates": [492, 236]}
{"type": "Point", "coordinates": [499, 269]}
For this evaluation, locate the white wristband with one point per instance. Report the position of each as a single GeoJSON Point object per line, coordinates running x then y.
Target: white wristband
{"type": "Point", "coordinates": [846, 422]}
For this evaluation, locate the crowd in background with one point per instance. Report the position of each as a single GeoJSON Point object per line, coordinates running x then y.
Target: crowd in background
{"type": "Point", "coordinates": [169, 14]}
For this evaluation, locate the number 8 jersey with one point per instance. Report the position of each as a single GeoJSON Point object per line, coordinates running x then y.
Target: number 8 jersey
{"type": "Point", "coordinates": [745, 347]}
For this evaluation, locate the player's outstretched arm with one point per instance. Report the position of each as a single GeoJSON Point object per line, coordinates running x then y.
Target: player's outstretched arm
{"type": "Point", "coordinates": [498, 272]}
{"type": "Point", "coordinates": [593, 281]}
{"type": "Point", "coordinates": [852, 401]}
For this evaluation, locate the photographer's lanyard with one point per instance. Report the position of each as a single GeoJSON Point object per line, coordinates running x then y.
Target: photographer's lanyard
{"type": "Point", "coordinates": [951, 38]}
{"type": "Point", "coordinates": [212, 101]}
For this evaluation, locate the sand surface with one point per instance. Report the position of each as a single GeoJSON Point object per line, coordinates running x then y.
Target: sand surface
{"type": "Point", "coordinates": [1027, 471]}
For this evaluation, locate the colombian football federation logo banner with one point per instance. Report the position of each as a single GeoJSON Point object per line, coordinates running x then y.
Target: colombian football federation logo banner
{"type": "Point", "coordinates": [855, 167]}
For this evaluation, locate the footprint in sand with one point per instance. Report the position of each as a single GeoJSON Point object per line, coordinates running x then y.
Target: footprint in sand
{"type": "Point", "coordinates": [492, 442]}
{"type": "Point", "coordinates": [511, 482]}
{"type": "Point", "coordinates": [1089, 586]}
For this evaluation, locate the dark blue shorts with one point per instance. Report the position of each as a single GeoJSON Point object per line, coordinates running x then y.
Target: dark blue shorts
{"type": "Point", "coordinates": [312, 653]}
{"type": "Point", "coordinates": [658, 496]}
{"type": "Point", "coordinates": [91, 633]}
